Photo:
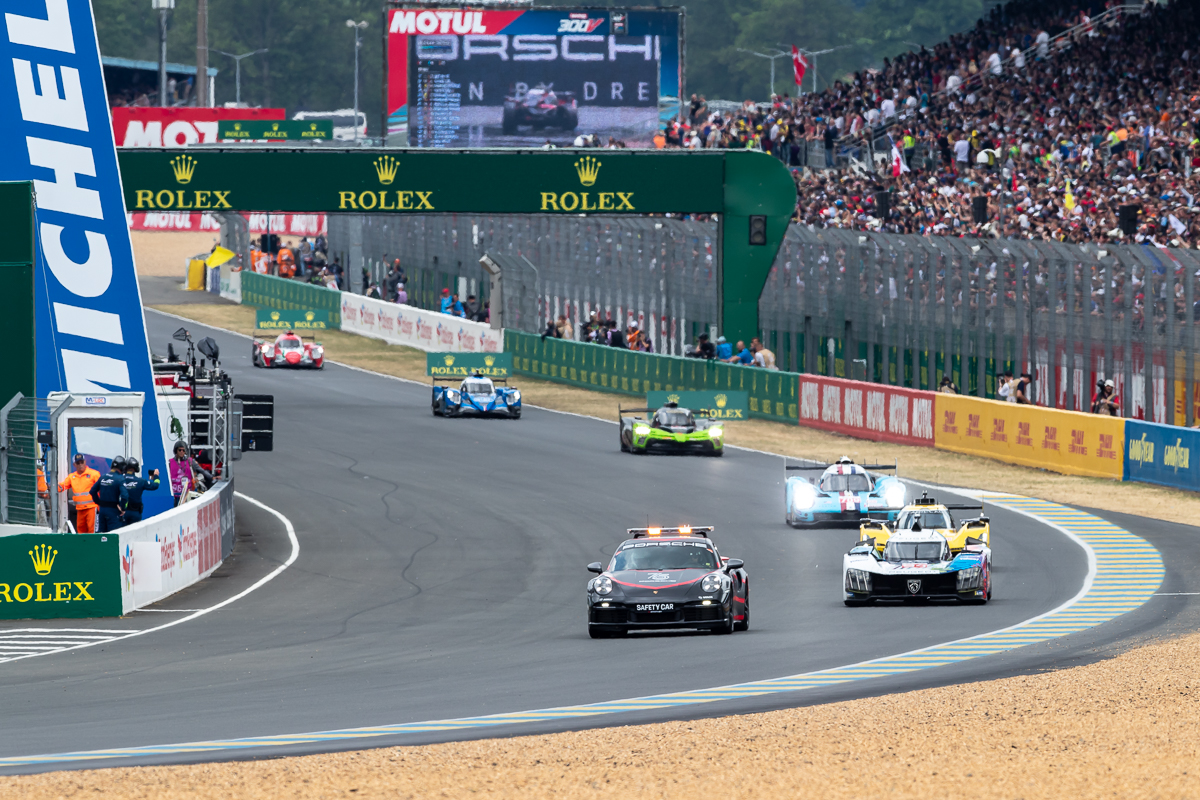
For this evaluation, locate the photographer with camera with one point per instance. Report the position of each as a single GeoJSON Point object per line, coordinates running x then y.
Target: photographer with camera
{"type": "Point", "coordinates": [1105, 400]}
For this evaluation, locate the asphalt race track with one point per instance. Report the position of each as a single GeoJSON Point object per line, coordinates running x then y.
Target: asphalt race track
{"type": "Point", "coordinates": [441, 574]}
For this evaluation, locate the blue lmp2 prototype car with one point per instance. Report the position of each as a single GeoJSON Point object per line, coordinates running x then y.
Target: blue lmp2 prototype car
{"type": "Point", "coordinates": [845, 492]}
{"type": "Point", "coordinates": [476, 396]}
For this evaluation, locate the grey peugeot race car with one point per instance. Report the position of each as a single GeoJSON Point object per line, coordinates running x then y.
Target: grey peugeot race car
{"type": "Point", "coordinates": [665, 578]}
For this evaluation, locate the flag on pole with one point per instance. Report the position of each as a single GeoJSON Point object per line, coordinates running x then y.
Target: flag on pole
{"type": "Point", "coordinates": [799, 64]}
{"type": "Point", "coordinates": [898, 165]}
{"type": "Point", "coordinates": [1069, 200]}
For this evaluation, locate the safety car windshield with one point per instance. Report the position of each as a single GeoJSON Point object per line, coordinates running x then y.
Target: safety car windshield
{"type": "Point", "coordinates": [928, 519]}
{"type": "Point", "coordinates": [289, 344]}
{"type": "Point", "coordinates": [477, 387]}
{"type": "Point", "coordinates": [913, 551]}
{"type": "Point", "coordinates": [673, 419]}
{"type": "Point", "coordinates": [858, 482]}
{"type": "Point", "coordinates": [662, 556]}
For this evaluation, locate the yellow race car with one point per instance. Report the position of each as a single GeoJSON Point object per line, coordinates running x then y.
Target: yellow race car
{"type": "Point", "coordinates": [927, 514]}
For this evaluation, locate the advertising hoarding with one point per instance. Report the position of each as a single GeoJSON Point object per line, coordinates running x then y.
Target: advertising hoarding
{"type": "Point", "coordinates": [54, 575]}
{"type": "Point", "coordinates": [136, 126]}
{"type": "Point", "coordinates": [467, 77]}
{"type": "Point", "coordinates": [1162, 454]}
{"type": "Point", "coordinates": [867, 410]}
{"type": "Point", "coordinates": [395, 323]}
{"type": "Point", "coordinates": [722, 406]}
{"type": "Point", "coordinates": [462, 365]}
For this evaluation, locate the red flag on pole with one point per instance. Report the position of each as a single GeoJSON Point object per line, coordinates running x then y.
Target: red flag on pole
{"type": "Point", "coordinates": [799, 64]}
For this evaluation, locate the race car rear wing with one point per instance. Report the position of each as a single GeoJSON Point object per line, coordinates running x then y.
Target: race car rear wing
{"type": "Point", "coordinates": [702, 531]}
{"type": "Point", "coordinates": [892, 467]}
{"type": "Point", "coordinates": [460, 378]}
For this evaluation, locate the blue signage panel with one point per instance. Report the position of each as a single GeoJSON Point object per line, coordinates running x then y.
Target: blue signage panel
{"type": "Point", "coordinates": [1163, 454]}
{"type": "Point", "coordinates": [91, 335]}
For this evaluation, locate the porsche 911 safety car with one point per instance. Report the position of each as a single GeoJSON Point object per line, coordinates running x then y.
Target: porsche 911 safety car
{"type": "Point", "coordinates": [917, 564]}
{"type": "Point", "coordinates": [928, 515]}
{"type": "Point", "coordinates": [844, 492]}
{"type": "Point", "coordinates": [663, 578]}
{"type": "Point", "coordinates": [476, 396]}
{"type": "Point", "coordinates": [669, 429]}
{"type": "Point", "coordinates": [288, 350]}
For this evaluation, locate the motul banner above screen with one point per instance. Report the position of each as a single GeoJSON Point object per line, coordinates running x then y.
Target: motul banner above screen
{"type": "Point", "coordinates": [179, 127]}
{"type": "Point", "coordinates": [91, 336]}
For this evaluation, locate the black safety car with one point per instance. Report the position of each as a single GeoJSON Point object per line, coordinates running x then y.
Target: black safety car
{"type": "Point", "coordinates": [539, 108]}
{"type": "Point", "coordinates": [668, 578]}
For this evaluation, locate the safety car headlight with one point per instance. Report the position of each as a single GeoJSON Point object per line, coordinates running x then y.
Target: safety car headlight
{"type": "Point", "coordinates": [641, 430]}
{"type": "Point", "coordinates": [715, 433]}
{"type": "Point", "coordinates": [602, 585]}
{"type": "Point", "coordinates": [711, 583]}
{"type": "Point", "coordinates": [858, 580]}
{"type": "Point", "coordinates": [970, 578]}
{"type": "Point", "coordinates": [894, 497]}
{"type": "Point", "coordinates": [803, 497]}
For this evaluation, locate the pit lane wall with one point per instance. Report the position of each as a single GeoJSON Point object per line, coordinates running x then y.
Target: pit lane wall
{"type": "Point", "coordinates": [66, 575]}
{"type": "Point", "coordinates": [415, 327]}
{"type": "Point", "coordinates": [773, 394]}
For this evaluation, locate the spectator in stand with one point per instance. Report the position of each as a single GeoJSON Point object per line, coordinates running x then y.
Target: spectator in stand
{"type": "Point", "coordinates": [390, 282]}
{"type": "Point", "coordinates": [595, 328]}
{"type": "Point", "coordinates": [948, 386]}
{"type": "Point", "coordinates": [1105, 400]}
{"type": "Point", "coordinates": [551, 331]}
{"type": "Point", "coordinates": [704, 349]}
{"type": "Point", "coordinates": [724, 349]}
{"type": "Point", "coordinates": [401, 294]}
{"type": "Point", "coordinates": [762, 356]}
{"type": "Point", "coordinates": [615, 337]}
{"type": "Point", "coordinates": [1004, 387]}
{"type": "Point", "coordinates": [1023, 391]}
{"type": "Point", "coordinates": [447, 303]}
{"type": "Point", "coordinates": [471, 308]}
{"type": "Point", "coordinates": [563, 328]}
{"type": "Point", "coordinates": [743, 355]}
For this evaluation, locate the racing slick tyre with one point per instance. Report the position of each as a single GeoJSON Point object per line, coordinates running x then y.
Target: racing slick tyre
{"type": "Point", "coordinates": [744, 624]}
{"type": "Point", "coordinates": [509, 123]}
{"type": "Point", "coordinates": [729, 626]}
{"type": "Point", "coordinates": [570, 121]}
{"type": "Point", "coordinates": [624, 447]}
{"type": "Point", "coordinates": [515, 415]}
{"type": "Point", "coordinates": [597, 634]}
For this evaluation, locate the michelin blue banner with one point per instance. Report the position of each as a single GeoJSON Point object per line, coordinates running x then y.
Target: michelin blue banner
{"type": "Point", "coordinates": [91, 336]}
{"type": "Point", "coordinates": [1162, 454]}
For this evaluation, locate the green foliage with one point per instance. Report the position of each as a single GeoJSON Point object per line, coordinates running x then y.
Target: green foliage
{"type": "Point", "coordinates": [310, 65]}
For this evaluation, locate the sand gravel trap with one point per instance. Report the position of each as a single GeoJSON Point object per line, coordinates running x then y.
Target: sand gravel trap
{"type": "Point", "coordinates": [165, 253]}
{"type": "Point", "coordinates": [1123, 728]}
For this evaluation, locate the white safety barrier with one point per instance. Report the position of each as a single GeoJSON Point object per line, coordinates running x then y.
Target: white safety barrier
{"type": "Point", "coordinates": [231, 284]}
{"type": "Point", "coordinates": [416, 327]}
{"type": "Point", "coordinates": [164, 554]}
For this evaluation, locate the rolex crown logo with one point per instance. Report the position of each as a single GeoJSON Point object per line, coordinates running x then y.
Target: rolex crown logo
{"type": "Point", "coordinates": [274, 316]}
{"type": "Point", "coordinates": [489, 360]}
{"type": "Point", "coordinates": [672, 398]}
{"type": "Point", "coordinates": [310, 316]}
{"type": "Point", "coordinates": [275, 126]}
{"type": "Point", "coordinates": [449, 361]}
{"type": "Point", "coordinates": [183, 167]}
{"type": "Point", "coordinates": [43, 558]}
{"type": "Point", "coordinates": [721, 400]}
{"type": "Point", "coordinates": [588, 169]}
{"type": "Point", "coordinates": [385, 168]}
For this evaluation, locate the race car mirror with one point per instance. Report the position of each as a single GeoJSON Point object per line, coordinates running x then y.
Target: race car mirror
{"type": "Point", "coordinates": [734, 563]}
{"type": "Point", "coordinates": [596, 567]}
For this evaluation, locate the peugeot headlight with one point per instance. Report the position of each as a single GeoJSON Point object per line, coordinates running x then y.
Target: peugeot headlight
{"type": "Point", "coordinates": [970, 578]}
{"type": "Point", "coordinates": [642, 430]}
{"type": "Point", "coordinates": [603, 585]}
{"type": "Point", "coordinates": [858, 580]}
{"type": "Point", "coordinates": [516, 395]}
{"type": "Point", "coordinates": [711, 583]}
{"type": "Point", "coordinates": [715, 433]}
{"type": "Point", "coordinates": [452, 394]}
{"type": "Point", "coordinates": [894, 497]}
{"type": "Point", "coordinates": [803, 497]}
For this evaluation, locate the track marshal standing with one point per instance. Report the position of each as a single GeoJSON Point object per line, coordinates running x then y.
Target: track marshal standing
{"type": "Point", "coordinates": [80, 483]}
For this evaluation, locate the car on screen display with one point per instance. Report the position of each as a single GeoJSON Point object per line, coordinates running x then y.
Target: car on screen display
{"type": "Point", "coordinates": [540, 108]}
{"type": "Point", "coordinates": [927, 515]}
{"type": "Point", "coordinates": [917, 565]}
{"type": "Point", "coordinates": [841, 492]}
{"type": "Point", "coordinates": [476, 396]}
{"type": "Point", "coordinates": [668, 578]}
{"type": "Point", "coordinates": [288, 350]}
{"type": "Point", "coordinates": [669, 429]}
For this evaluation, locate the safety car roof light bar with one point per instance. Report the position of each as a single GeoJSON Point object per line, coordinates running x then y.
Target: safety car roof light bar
{"type": "Point", "coordinates": [683, 530]}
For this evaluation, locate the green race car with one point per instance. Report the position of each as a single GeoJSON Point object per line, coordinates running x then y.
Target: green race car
{"type": "Point", "coordinates": [670, 429]}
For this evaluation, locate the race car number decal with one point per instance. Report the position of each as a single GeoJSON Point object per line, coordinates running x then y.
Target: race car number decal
{"type": "Point", "coordinates": [656, 607]}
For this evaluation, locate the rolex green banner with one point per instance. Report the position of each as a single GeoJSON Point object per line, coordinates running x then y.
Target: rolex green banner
{"type": "Point", "coordinates": [460, 365]}
{"type": "Point", "coordinates": [271, 319]}
{"type": "Point", "coordinates": [49, 576]}
{"type": "Point", "coordinates": [278, 130]}
{"type": "Point", "coordinates": [725, 405]}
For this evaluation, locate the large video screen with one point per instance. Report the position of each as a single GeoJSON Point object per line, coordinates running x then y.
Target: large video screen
{"type": "Point", "coordinates": [461, 77]}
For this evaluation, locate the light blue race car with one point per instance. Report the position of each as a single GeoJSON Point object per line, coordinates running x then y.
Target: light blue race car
{"type": "Point", "coordinates": [844, 492]}
{"type": "Point", "coordinates": [476, 396]}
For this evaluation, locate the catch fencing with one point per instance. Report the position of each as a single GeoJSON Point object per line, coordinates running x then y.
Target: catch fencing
{"type": "Point", "coordinates": [892, 309]}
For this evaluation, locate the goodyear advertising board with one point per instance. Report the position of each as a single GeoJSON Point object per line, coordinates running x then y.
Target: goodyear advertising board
{"type": "Point", "coordinates": [270, 319]}
{"type": "Point", "coordinates": [48, 576]}
{"type": "Point", "coordinates": [1061, 441]}
{"type": "Point", "coordinates": [1162, 454]}
{"type": "Point", "coordinates": [729, 405]}
{"type": "Point", "coordinates": [460, 365]}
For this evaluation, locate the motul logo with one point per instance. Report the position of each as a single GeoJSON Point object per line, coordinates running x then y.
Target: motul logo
{"type": "Point", "coordinates": [179, 133]}
{"type": "Point", "coordinates": [460, 22]}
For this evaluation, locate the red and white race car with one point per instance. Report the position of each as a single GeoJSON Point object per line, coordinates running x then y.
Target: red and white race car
{"type": "Point", "coordinates": [288, 350]}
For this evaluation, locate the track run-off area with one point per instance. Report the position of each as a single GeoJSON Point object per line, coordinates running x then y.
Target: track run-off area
{"type": "Point", "coordinates": [436, 592]}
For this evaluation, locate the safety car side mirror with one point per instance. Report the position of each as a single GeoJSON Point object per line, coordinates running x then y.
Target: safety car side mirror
{"type": "Point", "coordinates": [596, 567]}
{"type": "Point", "coordinates": [734, 563]}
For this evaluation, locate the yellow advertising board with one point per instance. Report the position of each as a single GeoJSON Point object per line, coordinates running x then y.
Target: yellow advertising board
{"type": "Point", "coordinates": [1069, 442]}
